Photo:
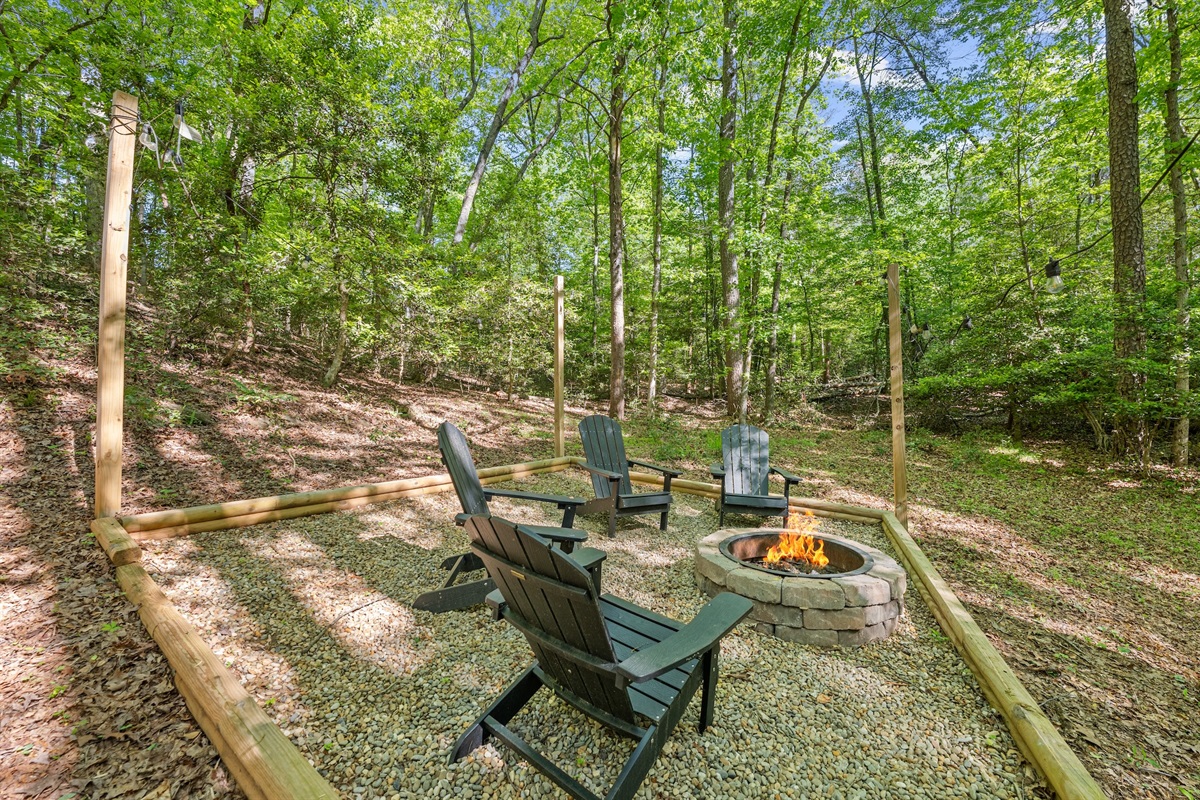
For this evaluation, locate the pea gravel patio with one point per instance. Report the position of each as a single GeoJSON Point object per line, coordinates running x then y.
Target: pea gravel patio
{"type": "Point", "coordinates": [312, 615]}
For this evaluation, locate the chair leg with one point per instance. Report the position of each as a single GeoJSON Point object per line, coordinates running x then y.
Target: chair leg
{"type": "Point", "coordinates": [502, 709]}
{"type": "Point", "coordinates": [638, 765]}
{"type": "Point", "coordinates": [662, 521]}
{"type": "Point", "coordinates": [721, 523]}
{"type": "Point", "coordinates": [708, 690]}
{"type": "Point", "coordinates": [612, 522]}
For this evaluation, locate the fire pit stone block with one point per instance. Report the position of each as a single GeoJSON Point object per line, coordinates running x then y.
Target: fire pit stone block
{"type": "Point", "coordinates": [711, 564]}
{"type": "Point", "coordinates": [846, 619]}
{"type": "Point", "coordinates": [755, 584]}
{"type": "Point", "coordinates": [816, 638]}
{"type": "Point", "coordinates": [840, 611]}
{"type": "Point", "coordinates": [813, 594]}
{"type": "Point", "coordinates": [864, 590]}
{"type": "Point", "coordinates": [868, 634]}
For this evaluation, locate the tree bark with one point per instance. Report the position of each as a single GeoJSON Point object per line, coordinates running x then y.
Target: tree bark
{"type": "Point", "coordinates": [1129, 257]}
{"type": "Point", "coordinates": [1183, 355]}
{"type": "Point", "coordinates": [339, 349]}
{"type": "Point", "coordinates": [498, 119]}
{"type": "Point", "coordinates": [656, 280]}
{"type": "Point", "coordinates": [872, 133]}
{"type": "Point", "coordinates": [616, 239]}
{"type": "Point", "coordinates": [735, 399]}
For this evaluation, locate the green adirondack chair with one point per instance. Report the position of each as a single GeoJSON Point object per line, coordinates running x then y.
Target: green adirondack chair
{"type": "Point", "coordinates": [456, 456]}
{"type": "Point", "coordinates": [604, 451]}
{"type": "Point", "coordinates": [745, 471]}
{"type": "Point", "coordinates": [624, 666]}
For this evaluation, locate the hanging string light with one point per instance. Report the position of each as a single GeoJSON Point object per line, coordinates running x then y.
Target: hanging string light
{"type": "Point", "coordinates": [1054, 281]}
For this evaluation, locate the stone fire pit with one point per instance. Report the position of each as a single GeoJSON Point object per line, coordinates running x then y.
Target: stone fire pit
{"type": "Point", "coordinates": [847, 610]}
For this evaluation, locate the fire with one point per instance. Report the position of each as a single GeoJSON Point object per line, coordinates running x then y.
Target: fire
{"type": "Point", "coordinates": [798, 544]}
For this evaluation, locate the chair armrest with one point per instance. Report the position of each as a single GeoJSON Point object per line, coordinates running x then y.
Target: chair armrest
{"type": "Point", "coordinates": [715, 620]}
{"type": "Point", "coordinates": [461, 519]}
{"type": "Point", "coordinates": [790, 477]}
{"type": "Point", "coordinates": [604, 473]}
{"type": "Point", "coordinates": [559, 535]}
{"type": "Point", "coordinates": [589, 557]}
{"type": "Point", "coordinates": [717, 470]}
{"type": "Point", "coordinates": [561, 502]}
{"type": "Point", "coordinates": [674, 473]}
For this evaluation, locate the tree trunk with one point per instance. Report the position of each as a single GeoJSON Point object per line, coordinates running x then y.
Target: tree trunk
{"type": "Point", "coordinates": [616, 239]}
{"type": "Point", "coordinates": [872, 133]}
{"type": "Point", "coordinates": [1179, 444]}
{"type": "Point", "coordinates": [498, 119]}
{"type": "Point", "coordinates": [1129, 257]}
{"type": "Point", "coordinates": [339, 348]}
{"type": "Point", "coordinates": [735, 398]}
{"type": "Point", "coordinates": [656, 281]}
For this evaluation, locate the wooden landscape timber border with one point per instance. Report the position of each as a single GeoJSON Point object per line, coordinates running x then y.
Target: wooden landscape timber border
{"type": "Point", "coordinates": [263, 761]}
{"type": "Point", "coordinates": [267, 765]}
{"type": "Point", "coordinates": [1033, 732]}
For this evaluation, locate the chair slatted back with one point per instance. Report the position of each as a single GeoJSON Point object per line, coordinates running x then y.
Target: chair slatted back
{"type": "Point", "coordinates": [604, 447]}
{"type": "Point", "coordinates": [457, 458]}
{"type": "Point", "coordinates": [745, 454]}
{"type": "Point", "coordinates": [555, 597]}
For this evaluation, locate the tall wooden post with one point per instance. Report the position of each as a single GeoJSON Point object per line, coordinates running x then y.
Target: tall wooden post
{"type": "Point", "coordinates": [560, 344]}
{"type": "Point", "coordinates": [114, 262]}
{"type": "Point", "coordinates": [896, 352]}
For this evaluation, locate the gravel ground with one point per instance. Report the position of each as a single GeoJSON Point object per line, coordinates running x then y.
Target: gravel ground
{"type": "Point", "coordinates": [313, 615]}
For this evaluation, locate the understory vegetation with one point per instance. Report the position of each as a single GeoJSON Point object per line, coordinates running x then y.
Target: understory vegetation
{"type": "Point", "coordinates": [390, 189]}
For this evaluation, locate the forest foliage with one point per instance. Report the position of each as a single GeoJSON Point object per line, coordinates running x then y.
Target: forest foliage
{"type": "Point", "coordinates": [803, 145]}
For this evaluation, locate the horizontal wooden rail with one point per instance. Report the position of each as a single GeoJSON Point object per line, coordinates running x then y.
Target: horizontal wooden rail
{"type": "Point", "coordinates": [244, 513]}
{"type": "Point", "coordinates": [238, 508]}
{"type": "Point", "coordinates": [1034, 733]}
{"type": "Point", "coordinates": [117, 544]}
{"type": "Point", "coordinates": [820, 508]}
{"type": "Point", "coordinates": [264, 762]}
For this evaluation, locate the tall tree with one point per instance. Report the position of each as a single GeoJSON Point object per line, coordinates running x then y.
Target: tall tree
{"type": "Point", "coordinates": [735, 398]}
{"type": "Point", "coordinates": [614, 14]}
{"type": "Point", "coordinates": [500, 116]}
{"type": "Point", "coordinates": [1175, 143]}
{"type": "Point", "coordinates": [1129, 255]}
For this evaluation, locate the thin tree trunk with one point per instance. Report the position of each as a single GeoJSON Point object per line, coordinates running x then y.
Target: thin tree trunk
{"type": "Point", "coordinates": [1129, 257]}
{"type": "Point", "coordinates": [872, 134]}
{"type": "Point", "coordinates": [656, 281]}
{"type": "Point", "coordinates": [1183, 355]}
{"type": "Point", "coordinates": [735, 398]}
{"type": "Point", "coordinates": [616, 239]}
{"type": "Point", "coordinates": [1037, 307]}
{"type": "Point", "coordinates": [489, 141]}
{"type": "Point", "coordinates": [339, 349]}
{"type": "Point", "coordinates": [862, 155]}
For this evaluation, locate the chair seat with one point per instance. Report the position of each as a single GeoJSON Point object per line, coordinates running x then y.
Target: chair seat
{"type": "Point", "coordinates": [634, 628]}
{"type": "Point", "coordinates": [645, 499]}
{"type": "Point", "coordinates": [766, 502]}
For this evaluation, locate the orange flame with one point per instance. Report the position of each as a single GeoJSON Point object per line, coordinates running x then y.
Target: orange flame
{"type": "Point", "coordinates": [798, 544]}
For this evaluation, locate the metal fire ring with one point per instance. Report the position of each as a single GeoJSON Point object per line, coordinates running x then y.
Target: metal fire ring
{"type": "Point", "coordinates": [868, 561]}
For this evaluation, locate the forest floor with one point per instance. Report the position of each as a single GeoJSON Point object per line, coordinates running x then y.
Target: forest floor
{"type": "Point", "coordinates": [1086, 576]}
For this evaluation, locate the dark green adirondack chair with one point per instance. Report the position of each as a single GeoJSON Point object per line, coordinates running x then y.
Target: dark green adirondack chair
{"type": "Point", "coordinates": [604, 451]}
{"type": "Point", "coordinates": [456, 455]}
{"type": "Point", "coordinates": [745, 474]}
{"type": "Point", "coordinates": [628, 668]}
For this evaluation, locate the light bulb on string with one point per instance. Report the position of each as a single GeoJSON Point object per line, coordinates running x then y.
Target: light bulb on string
{"type": "Point", "coordinates": [1054, 281]}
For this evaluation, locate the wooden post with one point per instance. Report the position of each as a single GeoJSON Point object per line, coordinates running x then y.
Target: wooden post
{"type": "Point", "coordinates": [560, 445]}
{"type": "Point", "coordinates": [114, 262]}
{"type": "Point", "coordinates": [896, 352]}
